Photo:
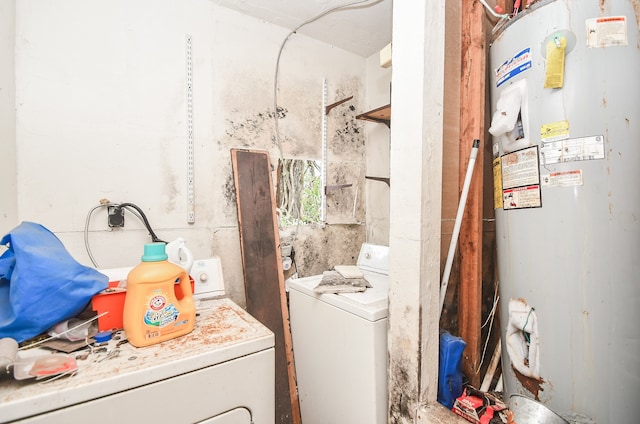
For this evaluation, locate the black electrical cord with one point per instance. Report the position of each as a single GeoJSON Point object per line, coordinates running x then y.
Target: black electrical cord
{"type": "Point", "coordinates": [153, 235]}
{"type": "Point", "coordinates": [293, 260]}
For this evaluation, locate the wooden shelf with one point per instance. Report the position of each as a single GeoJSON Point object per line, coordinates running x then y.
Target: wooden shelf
{"type": "Point", "coordinates": [381, 115]}
{"type": "Point", "coordinates": [383, 179]}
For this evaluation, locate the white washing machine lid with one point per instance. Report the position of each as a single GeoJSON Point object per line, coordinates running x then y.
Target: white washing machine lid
{"type": "Point", "coordinates": [371, 304]}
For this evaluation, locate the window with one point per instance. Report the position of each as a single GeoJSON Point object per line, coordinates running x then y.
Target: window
{"type": "Point", "coordinates": [299, 193]}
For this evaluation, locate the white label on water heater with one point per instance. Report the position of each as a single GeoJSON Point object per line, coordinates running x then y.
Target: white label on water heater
{"type": "Point", "coordinates": [607, 31]}
{"type": "Point", "coordinates": [562, 179]}
{"type": "Point", "coordinates": [572, 150]}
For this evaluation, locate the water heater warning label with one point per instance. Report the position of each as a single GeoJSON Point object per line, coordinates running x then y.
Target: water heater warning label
{"type": "Point", "coordinates": [607, 31]}
{"type": "Point", "coordinates": [562, 179]}
{"type": "Point", "coordinates": [521, 179]}
{"type": "Point", "coordinates": [572, 150]}
{"type": "Point", "coordinates": [520, 168]}
{"type": "Point", "coordinates": [522, 197]}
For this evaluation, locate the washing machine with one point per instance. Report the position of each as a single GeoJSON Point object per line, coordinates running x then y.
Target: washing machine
{"type": "Point", "coordinates": [340, 346]}
{"type": "Point", "coordinates": [223, 372]}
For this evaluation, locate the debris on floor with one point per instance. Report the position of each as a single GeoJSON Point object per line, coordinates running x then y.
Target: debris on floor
{"type": "Point", "coordinates": [481, 407]}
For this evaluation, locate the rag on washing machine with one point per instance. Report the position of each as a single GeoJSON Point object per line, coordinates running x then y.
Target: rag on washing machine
{"type": "Point", "coordinates": [342, 282]}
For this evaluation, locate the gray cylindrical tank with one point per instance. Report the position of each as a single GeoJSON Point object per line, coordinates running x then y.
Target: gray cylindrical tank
{"type": "Point", "coordinates": [565, 92]}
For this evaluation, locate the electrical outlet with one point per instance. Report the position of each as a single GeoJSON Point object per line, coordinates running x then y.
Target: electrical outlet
{"type": "Point", "coordinates": [207, 278]}
{"type": "Point", "coordinates": [115, 216]}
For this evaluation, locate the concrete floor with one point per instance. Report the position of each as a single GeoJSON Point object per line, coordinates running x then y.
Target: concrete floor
{"type": "Point", "coordinates": [436, 413]}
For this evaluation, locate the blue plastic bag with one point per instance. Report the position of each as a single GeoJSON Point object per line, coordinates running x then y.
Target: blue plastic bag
{"type": "Point", "coordinates": [450, 369]}
{"type": "Point", "coordinates": [40, 283]}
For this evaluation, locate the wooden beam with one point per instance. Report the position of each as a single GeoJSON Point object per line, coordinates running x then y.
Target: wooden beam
{"type": "Point", "coordinates": [472, 118]}
{"type": "Point", "coordinates": [262, 266]}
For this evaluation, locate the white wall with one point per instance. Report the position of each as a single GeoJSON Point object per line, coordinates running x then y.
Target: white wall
{"type": "Point", "coordinates": [101, 110]}
{"type": "Point", "coordinates": [8, 177]}
{"type": "Point", "coordinates": [378, 136]}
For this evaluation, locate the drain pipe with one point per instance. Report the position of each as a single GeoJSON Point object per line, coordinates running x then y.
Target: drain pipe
{"type": "Point", "coordinates": [458, 222]}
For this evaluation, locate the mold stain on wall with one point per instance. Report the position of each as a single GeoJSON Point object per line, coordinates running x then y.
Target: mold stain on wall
{"type": "Point", "coordinates": [320, 248]}
{"type": "Point", "coordinates": [347, 137]}
{"type": "Point", "coordinates": [317, 247]}
{"type": "Point", "coordinates": [250, 131]}
{"type": "Point", "coordinates": [303, 99]}
{"type": "Point", "coordinates": [400, 397]}
{"type": "Point", "coordinates": [229, 194]}
{"type": "Point", "coordinates": [345, 202]}
{"type": "Point", "coordinates": [170, 186]}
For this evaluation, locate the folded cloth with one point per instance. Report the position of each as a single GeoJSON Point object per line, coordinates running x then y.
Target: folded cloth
{"type": "Point", "coordinates": [333, 282]}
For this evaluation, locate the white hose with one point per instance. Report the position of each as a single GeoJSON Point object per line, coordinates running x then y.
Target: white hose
{"type": "Point", "coordinates": [458, 222]}
{"type": "Point", "coordinates": [493, 12]}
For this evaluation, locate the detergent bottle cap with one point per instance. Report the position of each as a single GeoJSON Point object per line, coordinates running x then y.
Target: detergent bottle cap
{"type": "Point", "coordinates": [154, 252]}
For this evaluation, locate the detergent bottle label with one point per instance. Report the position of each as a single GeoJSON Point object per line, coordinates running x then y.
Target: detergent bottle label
{"type": "Point", "coordinates": [160, 312]}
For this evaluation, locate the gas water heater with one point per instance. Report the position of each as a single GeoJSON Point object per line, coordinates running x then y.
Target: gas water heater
{"type": "Point", "coordinates": [565, 93]}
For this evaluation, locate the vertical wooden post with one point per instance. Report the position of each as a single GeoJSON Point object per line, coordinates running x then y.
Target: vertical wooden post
{"type": "Point", "coordinates": [472, 126]}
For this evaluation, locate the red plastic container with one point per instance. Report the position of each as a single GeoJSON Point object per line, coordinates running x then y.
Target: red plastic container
{"type": "Point", "coordinates": [111, 300]}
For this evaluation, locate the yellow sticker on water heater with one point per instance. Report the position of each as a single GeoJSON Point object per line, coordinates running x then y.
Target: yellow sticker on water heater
{"type": "Point", "coordinates": [554, 77]}
{"type": "Point", "coordinates": [497, 183]}
{"type": "Point", "coordinates": [554, 131]}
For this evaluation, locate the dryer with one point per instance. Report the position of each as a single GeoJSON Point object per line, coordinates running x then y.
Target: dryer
{"type": "Point", "coordinates": [340, 346]}
{"type": "Point", "coordinates": [222, 372]}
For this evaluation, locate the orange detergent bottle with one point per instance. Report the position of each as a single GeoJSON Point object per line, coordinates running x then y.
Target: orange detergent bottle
{"type": "Point", "coordinates": [152, 312]}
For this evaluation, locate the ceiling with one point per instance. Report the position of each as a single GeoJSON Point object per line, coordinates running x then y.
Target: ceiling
{"type": "Point", "coordinates": [363, 28]}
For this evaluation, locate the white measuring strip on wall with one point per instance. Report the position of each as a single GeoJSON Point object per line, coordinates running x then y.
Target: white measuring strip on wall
{"type": "Point", "coordinates": [323, 177]}
{"type": "Point", "coordinates": [191, 201]}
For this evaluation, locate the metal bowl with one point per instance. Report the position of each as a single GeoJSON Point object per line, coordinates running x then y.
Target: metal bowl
{"type": "Point", "coordinates": [528, 411]}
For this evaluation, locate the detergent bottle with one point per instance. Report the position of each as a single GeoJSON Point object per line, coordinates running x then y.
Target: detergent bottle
{"type": "Point", "coordinates": [178, 253]}
{"type": "Point", "coordinates": [152, 311]}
